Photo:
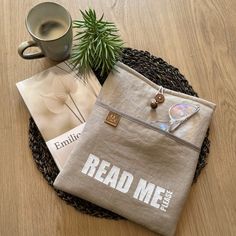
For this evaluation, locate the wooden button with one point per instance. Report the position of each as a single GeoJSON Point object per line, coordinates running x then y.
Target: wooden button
{"type": "Point", "coordinates": [160, 98]}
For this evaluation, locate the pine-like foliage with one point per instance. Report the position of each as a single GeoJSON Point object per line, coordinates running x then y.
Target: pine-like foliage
{"type": "Point", "coordinates": [97, 44]}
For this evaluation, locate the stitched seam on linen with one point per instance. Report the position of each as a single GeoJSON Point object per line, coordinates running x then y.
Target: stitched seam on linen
{"type": "Point", "coordinates": [147, 125]}
{"type": "Point", "coordinates": [169, 92]}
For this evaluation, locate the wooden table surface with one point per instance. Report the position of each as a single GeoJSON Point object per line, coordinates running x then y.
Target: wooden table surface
{"type": "Point", "coordinates": [198, 37]}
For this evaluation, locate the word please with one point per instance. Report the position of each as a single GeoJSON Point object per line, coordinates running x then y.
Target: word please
{"type": "Point", "coordinates": [113, 177]}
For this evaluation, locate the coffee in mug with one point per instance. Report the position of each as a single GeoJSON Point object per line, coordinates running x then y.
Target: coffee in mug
{"type": "Point", "coordinates": [51, 29]}
{"type": "Point", "coordinates": [50, 26]}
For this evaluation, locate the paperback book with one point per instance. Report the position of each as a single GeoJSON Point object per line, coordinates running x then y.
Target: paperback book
{"type": "Point", "coordinates": [60, 100]}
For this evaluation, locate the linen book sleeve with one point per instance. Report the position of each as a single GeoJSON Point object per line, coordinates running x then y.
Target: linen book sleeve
{"type": "Point", "coordinates": [126, 163]}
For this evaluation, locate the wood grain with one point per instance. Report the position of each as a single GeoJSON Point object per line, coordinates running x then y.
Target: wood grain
{"type": "Point", "coordinates": [198, 37]}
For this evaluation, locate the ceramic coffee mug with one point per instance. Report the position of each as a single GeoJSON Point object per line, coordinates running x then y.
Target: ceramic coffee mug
{"type": "Point", "coordinates": [50, 26]}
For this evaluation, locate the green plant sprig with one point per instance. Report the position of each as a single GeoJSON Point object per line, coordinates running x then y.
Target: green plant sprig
{"type": "Point", "coordinates": [98, 46]}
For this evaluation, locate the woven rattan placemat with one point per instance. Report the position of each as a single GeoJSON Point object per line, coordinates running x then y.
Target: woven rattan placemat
{"type": "Point", "coordinates": [155, 69]}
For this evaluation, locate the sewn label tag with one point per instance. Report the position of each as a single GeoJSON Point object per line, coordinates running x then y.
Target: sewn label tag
{"type": "Point", "coordinates": [112, 119]}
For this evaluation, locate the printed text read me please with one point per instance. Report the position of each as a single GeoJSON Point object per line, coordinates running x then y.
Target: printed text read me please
{"type": "Point", "coordinates": [113, 177]}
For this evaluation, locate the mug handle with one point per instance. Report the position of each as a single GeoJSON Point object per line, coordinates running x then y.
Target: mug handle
{"type": "Point", "coordinates": [27, 44]}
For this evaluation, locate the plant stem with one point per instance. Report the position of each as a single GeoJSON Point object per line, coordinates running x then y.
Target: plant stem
{"type": "Point", "coordinates": [76, 107]}
{"type": "Point", "coordinates": [73, 113]}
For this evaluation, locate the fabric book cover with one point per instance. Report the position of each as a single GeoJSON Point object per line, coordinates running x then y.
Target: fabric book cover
{"type": "Point", "coordinates": [60, 100]}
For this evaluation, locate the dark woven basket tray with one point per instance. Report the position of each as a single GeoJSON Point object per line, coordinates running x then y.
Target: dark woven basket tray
{"type": "Point", "coordinates": [155, 69]}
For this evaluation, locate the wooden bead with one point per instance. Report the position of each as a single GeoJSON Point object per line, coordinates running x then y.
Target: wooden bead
{"type": "Point", "coordinates": [153, 104]}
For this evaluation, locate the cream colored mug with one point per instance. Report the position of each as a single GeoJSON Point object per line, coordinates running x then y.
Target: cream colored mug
{"type": "Point", "coordinates": [50, 26]}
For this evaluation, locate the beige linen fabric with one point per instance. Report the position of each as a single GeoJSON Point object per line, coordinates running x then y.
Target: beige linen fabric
{"type": "Point", "coordinates": [136, 169]}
